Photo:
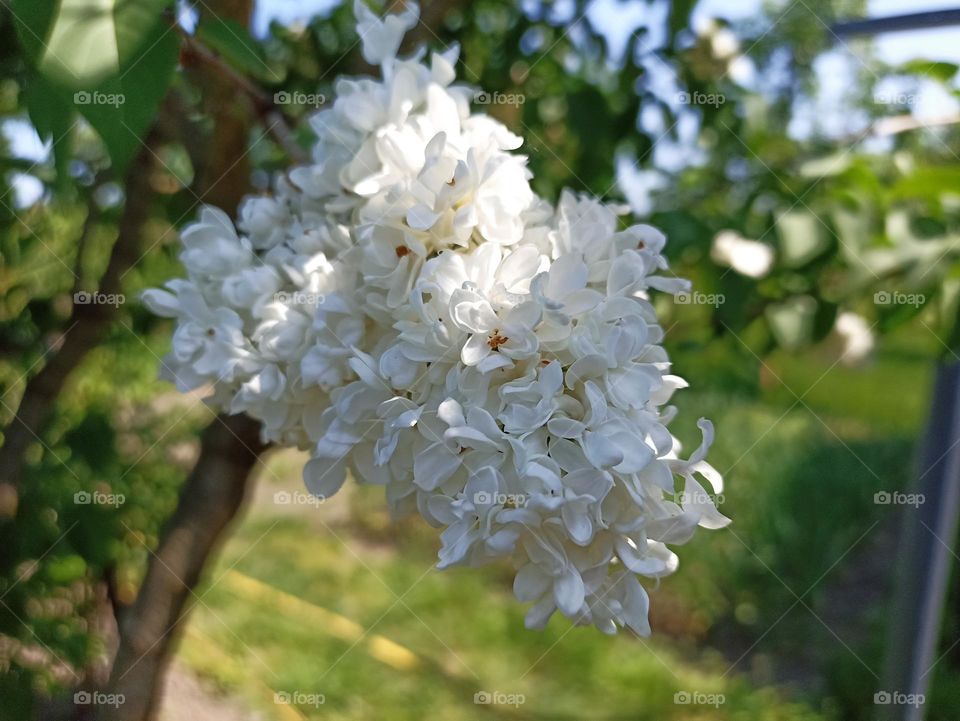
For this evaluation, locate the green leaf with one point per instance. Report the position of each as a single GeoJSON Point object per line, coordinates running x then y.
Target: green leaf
{"type": "Point", "coordinates": [122, 108]}
{"type": "Point", "coordinates": [66, 569]}
{"type": "Point", "coordinates": [53, 117]}
{"type": "Point", "coordinates": [33, 19]}
{"type": "Point", "coordinates": [853, 226]}
{"type": "Point", "coordinates": [680, 11]}
{"type": "Point", "coordinates": [824, 319]}
{"type": "Point", "coordinates": [685, 230]}
{"type": "Point", "coordinates": [79, 43]}
{"type": "Point", "coordinates": [802, 237]}
{"type": "Point", "coordinates": [927, 183]}
{"type": "Point", "coordinates": [235, 44]}
{"type": "Point", "coordinates": [792, 322]}
{"type": "Point", "coordinates": [110, 60]}
{"type": "Point", "coordinates": [941, 71]}
{"type": "Point", "coordinates": [907, 307]}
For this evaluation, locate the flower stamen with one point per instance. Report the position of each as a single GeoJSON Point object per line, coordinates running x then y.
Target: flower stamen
{"type": "Point", "coordinates": [496, 340]}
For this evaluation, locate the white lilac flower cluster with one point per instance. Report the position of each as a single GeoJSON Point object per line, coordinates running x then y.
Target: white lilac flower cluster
{"type": "Point", "coordinates": [406, 308]}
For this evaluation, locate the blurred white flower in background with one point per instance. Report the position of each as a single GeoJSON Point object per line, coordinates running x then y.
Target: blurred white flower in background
{"type": "Point", "coordinates": [405, 308]}
{"type": "Point", "coordinates": [747, 257]}
{"type": "Point", "coordinates": [856, 337]}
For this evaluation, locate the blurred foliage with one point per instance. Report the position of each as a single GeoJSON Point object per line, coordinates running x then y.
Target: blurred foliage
{"type": "Point", "coordinates": [846, 217]}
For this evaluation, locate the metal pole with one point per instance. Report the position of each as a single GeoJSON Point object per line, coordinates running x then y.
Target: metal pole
{"type": "Point", "coordinates": [913, 21]}
{"type": "Point", "coordinates": [928, 534]}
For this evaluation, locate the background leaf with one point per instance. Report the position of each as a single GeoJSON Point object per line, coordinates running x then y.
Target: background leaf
{"type": "Point", "coordinates": [232, 41]}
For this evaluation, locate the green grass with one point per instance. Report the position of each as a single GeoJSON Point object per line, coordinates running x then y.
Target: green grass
{"type": "Point", "coordinates": [800, 485]}
{"type": "Point", "coordinates": [464, 627]}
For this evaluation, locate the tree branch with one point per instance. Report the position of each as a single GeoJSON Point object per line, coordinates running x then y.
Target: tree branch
{"type": "Point", "coordinates": [263, 105]}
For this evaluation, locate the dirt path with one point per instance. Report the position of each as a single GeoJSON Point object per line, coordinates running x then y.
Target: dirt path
{"type": "Point", "coordinates": [187, 697]}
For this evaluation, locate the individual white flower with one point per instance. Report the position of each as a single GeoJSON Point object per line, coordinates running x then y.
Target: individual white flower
{"type": "Point", "coordinates": [250, 288]}
{"type": "Point", "coordinates": [509, 334]}
{"type": "Point", "coordinates": [208, 343]}
{"type": "Point", "coordinates": [211, 246]}
{"type": "Point", "coordinates": [471, 440]}
{"type": "Point", "coordinates": [562, 292]}
{"type": "Point", "coordinates": [381, 38]}
{"type": "Point", "coordinates": [583, 225]}
{"type": "Point", "coordinates": [263, 398]}
{"type": "Point", "coordinates": [455, 194]}
{"type": "Point", "coordinates": [497, 193]}
{"type": "Point", "coordinates": [488, 312]}
{"type": "Point", "coordinates": [530, 401]}
{"type": "Point", "coordinates": [607, 438]}
{"type": "Point", "coordinates": [284, 333]}
{"type": "Point", "coordinates": [613, 348]}
{"type": "Point", "coordinates": [264, 220]}
{"type": "Point", "coordinates": [480, 524]}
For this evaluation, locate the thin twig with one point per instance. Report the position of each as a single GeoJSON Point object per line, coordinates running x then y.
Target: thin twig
{"type": "Point", "coordinates": [266, 109]}
{"type": "Point", "coordinates": [904, 123]}
{"type": "Point", "coordinates": [89, 223]}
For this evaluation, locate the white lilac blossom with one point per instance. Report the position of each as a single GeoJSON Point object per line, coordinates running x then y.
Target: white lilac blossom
{"type": "Point", "coordinates": [856, 338]}
{"type": "Point", "coordinates": [409, 312]}
{"type": "Point", "coordinates": [747, 257]}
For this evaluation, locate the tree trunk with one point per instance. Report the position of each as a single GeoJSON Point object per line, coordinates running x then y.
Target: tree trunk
{"type": "Point", "coordinates": [209, 501]}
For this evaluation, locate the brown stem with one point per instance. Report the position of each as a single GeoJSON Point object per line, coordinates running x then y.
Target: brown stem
{"type": "Point", "coordinates": [270, 114]}
{"type": "Point", "coordinates": [177, 122]}
{"type": "Point", "coordinates": [209, 501]}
